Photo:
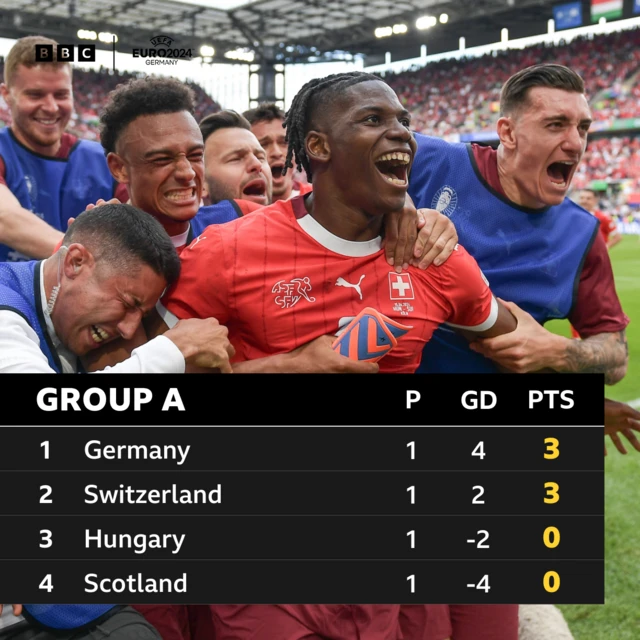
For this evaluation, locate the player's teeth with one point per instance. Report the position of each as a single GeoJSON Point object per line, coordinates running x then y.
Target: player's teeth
{"type": "Point", "coordinates": [401, 183]}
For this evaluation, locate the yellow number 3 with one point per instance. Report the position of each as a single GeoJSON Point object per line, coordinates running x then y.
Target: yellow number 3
{"type": "Point", "coordinates": [552, 448]}
{"type": "Point", "coordinates": [552, 492]}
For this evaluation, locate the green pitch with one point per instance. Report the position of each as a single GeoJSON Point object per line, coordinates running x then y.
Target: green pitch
{"type": "Point", "coordinates": [619, 618]}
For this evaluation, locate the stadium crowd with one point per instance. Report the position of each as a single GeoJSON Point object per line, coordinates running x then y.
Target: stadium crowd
{"type": "Point", "coordinates": [462, 96]}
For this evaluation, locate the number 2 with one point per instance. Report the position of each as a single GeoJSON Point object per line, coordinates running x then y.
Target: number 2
{"type": "Point", "coordinates": [476, 499]}
{"type": "Point", "coordinates": [44, 498]}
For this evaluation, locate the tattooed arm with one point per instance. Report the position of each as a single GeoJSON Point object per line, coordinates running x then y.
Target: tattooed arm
{"type": "Point", "coordinates": [606, 353]}
{"type": "Point", "coordinates": [532, 348]}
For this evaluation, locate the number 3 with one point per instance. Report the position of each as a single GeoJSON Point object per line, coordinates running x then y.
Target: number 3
{"type": "Point", "coordinates": [552, 492]}
{"type": "Point", "coordinates": [552, 448]}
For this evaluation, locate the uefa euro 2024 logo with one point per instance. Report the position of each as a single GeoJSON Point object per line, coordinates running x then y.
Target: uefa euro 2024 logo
{"type": "Point", "coordinates": [163, 52]}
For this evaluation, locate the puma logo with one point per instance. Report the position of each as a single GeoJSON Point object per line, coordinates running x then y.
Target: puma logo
{"type": "Point", "coordinates": [341, 282]}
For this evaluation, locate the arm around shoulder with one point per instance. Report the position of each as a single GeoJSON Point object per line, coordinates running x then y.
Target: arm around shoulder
{"type": "Point", "coordinates": [23, 230]}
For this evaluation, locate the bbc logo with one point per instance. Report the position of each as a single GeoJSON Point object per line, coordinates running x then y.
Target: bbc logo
{"type": "Point", "coordinates": [65, 53]}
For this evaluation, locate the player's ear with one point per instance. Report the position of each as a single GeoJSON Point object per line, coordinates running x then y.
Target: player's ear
{"type": "Point", "coordinates": [317, 146]}
{"type": "Point", "coordinates": [506, 132]}
{"type": "Point", "coordinates": [5, 93]}
{"type": "Point", "coordinates": [117, 167]}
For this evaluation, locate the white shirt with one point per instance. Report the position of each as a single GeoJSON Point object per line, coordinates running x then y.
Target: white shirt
{"type": "Point", "coordinates": [20, 349]}
{"type": "Point", "coordinates": [7, 618]}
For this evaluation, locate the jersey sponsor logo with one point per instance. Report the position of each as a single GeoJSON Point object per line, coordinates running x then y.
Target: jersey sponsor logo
{"type": "Point", "coordinates": [400, 286]}
{"type": "Point", "coordinates": [290, 293]}
{"type": "Point", "coordinates": [341, 282]}
{"type": "Point", "coordinates": [445, 201]}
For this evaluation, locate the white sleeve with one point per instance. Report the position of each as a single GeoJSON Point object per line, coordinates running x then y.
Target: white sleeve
{"type": "Point", "coordinates": [20, 346]}
{"type": "Point", "coordinates": [20, 352]}
{"type": "Point", "coordinates": [159, 355]}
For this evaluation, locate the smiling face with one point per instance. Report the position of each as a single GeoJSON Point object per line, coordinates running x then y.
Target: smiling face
{"type": "Point", "coordinates": [271, 137]}
{"type": "Point", "coordinates": [161, 159]}
{"type": "Point", "coordinates": [41, 102]}
{"type": "Point", "coordinates": [236, 167]}
{"type": "Point", "coordinates": [547, 139]}
{"type": "Point", "coordinates": [98, 304]}
{"type": "Point", "coordinates": [371, 148]}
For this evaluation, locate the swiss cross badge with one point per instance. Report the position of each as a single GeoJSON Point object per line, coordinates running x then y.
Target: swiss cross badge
{"type": "Point", "coordinates": [400, 286]}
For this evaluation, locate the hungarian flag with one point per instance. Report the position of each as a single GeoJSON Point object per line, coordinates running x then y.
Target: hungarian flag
{"type": "Point", "coordinates": [608, 9]}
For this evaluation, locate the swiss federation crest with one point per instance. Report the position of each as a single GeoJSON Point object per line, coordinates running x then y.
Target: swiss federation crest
{"type": "Point", "coordinates": [289, 293]}
{"type": "Point", "coordinates": [445, 201]}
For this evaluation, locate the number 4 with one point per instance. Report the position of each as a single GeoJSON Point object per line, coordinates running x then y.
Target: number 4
{"type": "Point", "coordinates": [479, 450]}
{"type": "Point", "coordinates": [484, 584]}
{"type": "Point", "coordinates": [46, 584]}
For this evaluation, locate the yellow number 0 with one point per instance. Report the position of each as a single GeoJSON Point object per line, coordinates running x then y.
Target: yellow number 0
{"type": "Point", "coordinates": [551, 581]}
{"type": "Point", "coordinates": [552, 448]}
{"type": "Point", "coordinates": [551, 537]}
{"type": "Point", "coordinates": [552, 492]}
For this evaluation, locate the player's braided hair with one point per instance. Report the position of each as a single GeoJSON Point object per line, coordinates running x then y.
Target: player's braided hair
{"type": "Point", "coordinates": [321, 91]}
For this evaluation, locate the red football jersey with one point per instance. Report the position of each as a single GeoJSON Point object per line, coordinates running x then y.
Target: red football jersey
{"type": "Point", "coordinates": [278, 279]}
{"type": "Point", "coordinates": [607, 224]}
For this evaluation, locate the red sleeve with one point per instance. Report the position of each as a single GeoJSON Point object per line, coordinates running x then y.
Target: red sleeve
{"type": "Point", "coordinates": [597, 308]}
{"type": "Point", "coordinates": [3, 171]}
{"type": "Point", "coordinates": [122, 193]}
{"type": "Point", "coordinates": [467, 291]}
{"type": "Point", "coordinates": [201, 289]}
{"type": "Point", "coordinates": [487, 162]}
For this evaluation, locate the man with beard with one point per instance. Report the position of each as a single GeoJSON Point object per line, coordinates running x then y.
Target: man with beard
{"type": "Point", "coordinates": [266, 122]}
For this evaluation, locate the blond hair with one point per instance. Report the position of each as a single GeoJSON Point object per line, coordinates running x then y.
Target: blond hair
{"type": "Point", "coordinates": [23, 53]}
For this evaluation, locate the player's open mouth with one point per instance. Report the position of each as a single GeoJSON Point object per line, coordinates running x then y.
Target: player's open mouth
{"type": "Point", "coordinates": [393, 167]}
{"type": "Point", "coordinates": [181, 195]}
{"type": "Point", "coordinates": [560, 173]}
{"type": "Point", "coordinates": [255, 189]}
{"type": "Point", "coordinates": [277, 171]}
{"type": "Point", "coordinates": [98, 334]}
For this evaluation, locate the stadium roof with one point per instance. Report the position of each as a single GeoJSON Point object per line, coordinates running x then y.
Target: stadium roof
{"type": "Point", "coordinates": [278, 30]}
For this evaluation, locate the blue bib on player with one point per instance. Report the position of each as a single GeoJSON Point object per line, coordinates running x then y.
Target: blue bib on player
{"type": "Point", "coordinates": [531, 257]}
{"type": "Point", "coordinates": [20, 292]}
{"type": "Point", "coordinates": [55, 189]}
{"type": "Point", "coordinates": [66, 616]}
{"type": "Point", "coordinates": [219, 213]}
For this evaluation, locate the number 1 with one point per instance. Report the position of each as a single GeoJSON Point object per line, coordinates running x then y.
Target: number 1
{"type": "Point", "coordinates": [45, 446]}
{"type": "Point", "coordinates": [412, 450]}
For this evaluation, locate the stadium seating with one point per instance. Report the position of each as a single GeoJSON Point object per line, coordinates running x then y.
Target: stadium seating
{"type": "Point", "coordinates": [462, 96]}
{"type": "Point", "coordinates": [90, 89]}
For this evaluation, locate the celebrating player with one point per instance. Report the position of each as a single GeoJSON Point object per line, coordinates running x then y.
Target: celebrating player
{"type": "Point", "coordinates": [113, 266]}
{"type": "Point", "coordinates": [267, 124]}
{"type": "Point", "coordinates": [235, 165]}
{"type": "Point", "coordinates": [536, 247]}
{"type": "Point", "coordinates": [303, 268]}
{"type": "Point", "coordinates": [46, 174]}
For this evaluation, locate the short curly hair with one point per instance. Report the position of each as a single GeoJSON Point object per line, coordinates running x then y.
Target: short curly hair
{"type": "Point", "coordinates": [141, 97]}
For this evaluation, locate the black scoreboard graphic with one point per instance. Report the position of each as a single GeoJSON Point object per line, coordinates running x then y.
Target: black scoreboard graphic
{"type": "Point", "coordinates": [303, 489]}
